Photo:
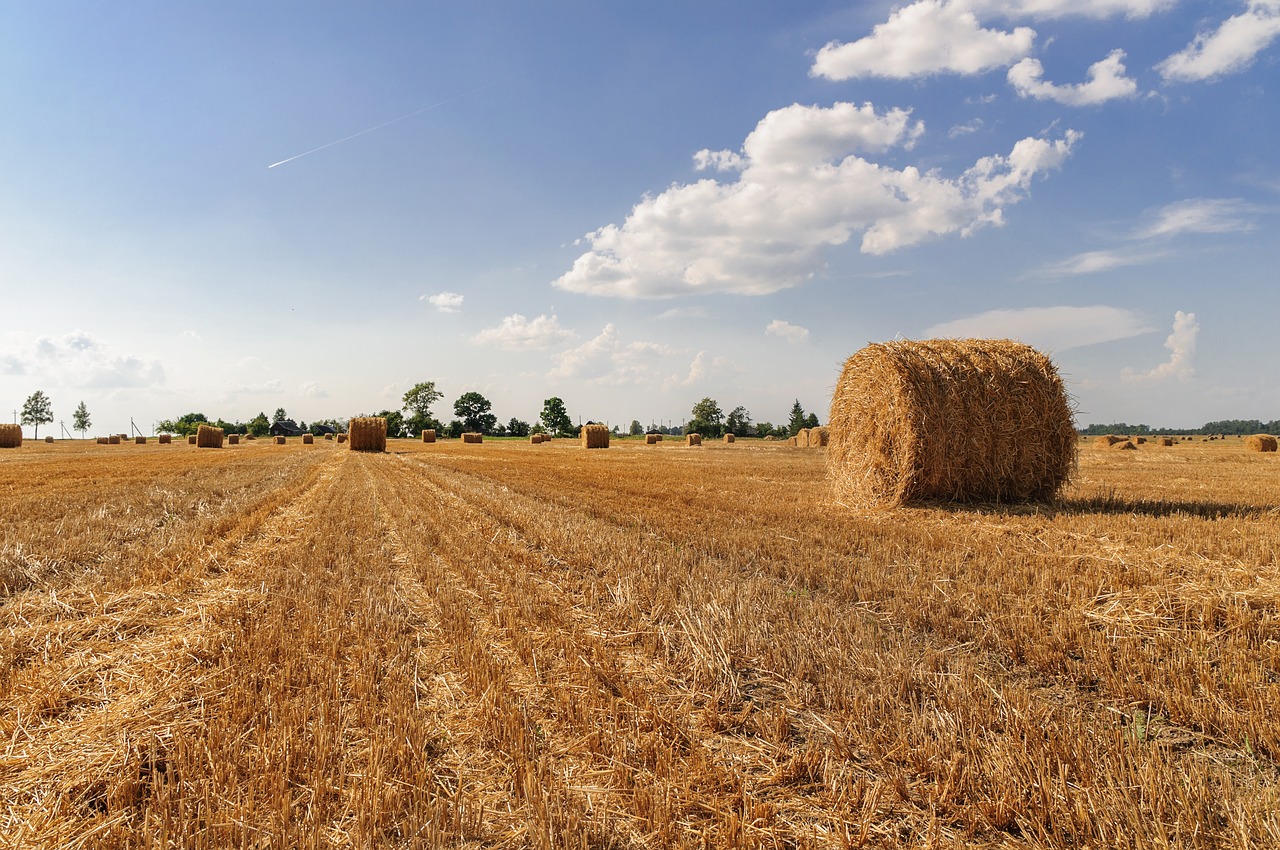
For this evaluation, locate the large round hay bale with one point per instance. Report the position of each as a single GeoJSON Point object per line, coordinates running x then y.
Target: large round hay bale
{"type": "Point", "coordinates": [139, 441]}
{"type": "Point", "coordinates": [10, 436]}
{"type": "Point", "coordinates": [472, 437]}
{"type": "Point", "coordinates": [595, 436]}
{"type": "Point", "coordinates": [652, 439]}
{"type": "Point", "coordinates": [1141, 441]}
{"type": "Point", "coordinates": [429, 435]}
{"type": "Point", "coordinates": [951, 420]}
{"type": "Point", "coordinates": [48, 439]}
{"type": "Point", "coordinates": [729, 438]}
{"type": "Point", "coordinates": [308, 439]}
{"type": "Point", "coordinates": [802, 438]}
{"type": "Point", "coordinates": [693, 439]}
{"type": "Point", "coordinates": [102, 441]}
{"type": "Point", "coordinates": [280, 440]}
{"type": "Point", "coordinates": [342, 438]}
{"type": "Point", "coordinates": [165, 439]}
{"type": "Point", "coordinates": [208, 437]}
{"type": "Point", "coordinates": [535, 439]}
{"type": "Point", "coordinates": [368, 434]}
{"type": "Point", "coordinates": [233, 439]}
{"type": "Point", "coordinates": [1165, 441]}
{"type": "Point", "coordinates": [792, 441]}
{"type": "Point", "coordinates": [326, 436]}
{"type": "Point", "coordinates": [1260, 443]}
{"type": "Point", "coordinates": [819, 437]}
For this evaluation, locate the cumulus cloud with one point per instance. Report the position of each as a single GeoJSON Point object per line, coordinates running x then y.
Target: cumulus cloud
{"type": "Point", "coordinates": [786, 330]}
{"type": "Point", "coordinates": [80, 360]}
{"type": "Point", "coordinates": [1228, 49]}
{"type": "Point", "coordinates": [926, 37]}
{"type": "Point", "coordinates": [1200, 215]}
{"type": "Point", "coordinates": [606, 359]}
{"type": "Point", "coordinates": [516, 333]}
{"type": "Point", "coordinates": [1182, 351]}
{"type": "Point", "coordinates": [445, 302]}
{"type": "Point", "coordinates": [802, 187]}
{"type": "Point", "coordinates": [1052, 328]}
{"type": "Point", "coordinates": [1106, 80]}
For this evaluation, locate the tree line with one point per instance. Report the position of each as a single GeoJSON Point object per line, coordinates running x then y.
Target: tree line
{"type": "Point", "coordinates": [1219, 426]}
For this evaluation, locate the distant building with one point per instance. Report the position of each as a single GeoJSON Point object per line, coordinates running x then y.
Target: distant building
{"type": "Point", "coordinates": [286, 428]}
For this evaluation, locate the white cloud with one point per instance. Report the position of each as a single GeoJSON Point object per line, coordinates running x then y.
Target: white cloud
{"type": "Point", "coordinates": [311, 389]}
{"type": "Point", "coordinates": [1182, 347]}
{"type": "Point", "coordinates": [1230, 48]}
{"type": "Point", "coordinates": [1049, 9]}
{"type": "Point", "coordinates": [1106, 81]}
{"type": "Point", "coordinates": [1050, 328]}
{"type": "Point", "coordinates": [445, 302]}
{"type": "Point", "coordinates": [605, 359]}
{"type": "Point", "coordinates": [1200, 215]}
{"type": "Point", "coordinates": [1092, 262]}
{"type": "Point", "coordinates": [965, 129]}
{"type": "Point", "coordinates": [684, 313]}
{"type": "Point", "coordinates": [516, 333]}
{"type": "Point", "coordinates": [786, 330]}
{"type": "Point", "coordinates": [926, 37]}
{"type": "Point", "coordinates": [80, 360]}
{"type": "Point", "coordinates": [801, 188]}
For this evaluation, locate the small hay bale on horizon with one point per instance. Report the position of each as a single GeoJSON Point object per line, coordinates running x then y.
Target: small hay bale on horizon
{"type": "Point", "coordinates": [342, 438]}
{"type": "Point", "coordinates": [1165, 441]}
{"type": "Point", "coordinates": [139, 441]}
{"type": "Point", "coordinates": [165, 439]}
{"type": "Point", "coordinates": [693, 439]}
{"type": "Point", "coordinates": [308, 439]}
{"type": "Point", "coordinates": [102, 441]}
{"type": "Point", "coordinates": [191, 439]}
{"type": "Point", "coordinates": [326, 436]}
{"type": "Point", "coordinates": [209, 437]}
{"type": "Point", "coordinates": [1141, 441]}
{"type": "Point", "coordinates": [429, 435]}
{"type": "Point", "coordinates": [1260, 443]}
{"type": "Point", "coordinates": [595, 436]}
{"type": "Point", "coordinates": [1126, 445]}
{"type": "Point", "coordinates": [48, 439]}
{"type": "Point", "coordinates": [472, 437]}
{"type": "Point", "coordinates": [956, 420]}
{"type": "Point", "coordinates": [113, 439]}
{"type": "Point", "coordinates": [1107, 440]}
{"type": "Point", "coordinates": [233, 439]}
{"type": "Point", "coordinates": [10, 436]}
{"type": "Point", "coordinates": [652, 439]}
{"type": "Point", "coordinates": [729, 438]}
{"type": "Point", "coordinates": [368, 434]}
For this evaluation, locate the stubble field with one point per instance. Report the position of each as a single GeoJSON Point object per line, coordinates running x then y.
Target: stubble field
{"type": "Point", "coordinates": [509, 645]}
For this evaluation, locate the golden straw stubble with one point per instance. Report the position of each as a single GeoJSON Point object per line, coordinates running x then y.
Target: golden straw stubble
{"type": "Point", "coordinates": [949, 420]}
{"type": "Point", "coordinates": [368, 434]}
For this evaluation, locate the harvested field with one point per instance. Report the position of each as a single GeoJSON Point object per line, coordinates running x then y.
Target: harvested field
{"type": "Point", "coordinates": [262, 648]}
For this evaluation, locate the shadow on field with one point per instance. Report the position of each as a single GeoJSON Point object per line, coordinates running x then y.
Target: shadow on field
{"type": "Point", "coordinates": [1114, 505]}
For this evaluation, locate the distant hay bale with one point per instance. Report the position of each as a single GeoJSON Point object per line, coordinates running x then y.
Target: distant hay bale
{"type": "Point", "coordinates": [10, 436]}
{"type": "Point", "coordinates": [191, 439]}
{"type": "Point", "coordinates": [769, 438]}
{"type": "Point", "coordinates": [1165, 441]}
{"type": "Point", "coordinates": [1260, 443]}
{"type": "Point", "coordinates": [326, 436]}
{"type": "Point", "coordinates": [248, 437]}
{"type": "Point", "coordinates": [342, 438]}
{"type": "Point", "coordinates": [113, 439]}
{"type": "Point", "coordinates": [595, 436]}
{"type": "Point", "coordinates": [280, 441]}
{"type": "Point", "coordinates": [139, 441]}
{"type": "Point", "coordinates": [652, 439]}
{"type": "Point", "coordinates": [233, 439]}
{"type": "Point", "coordinates": [308, 439]}
{"type": "Point", "coordinates": [48, 439]}
{"type": "Point", "coordinates": [124, 436]}
{"type": "Point", "coordinates": [1107, 440]}
{"type": "Point", "coordinates": [802, 438]}
{"type": "Point", "coordinates": [729, 438]}
{"type": "Point", "coordinates": [102, 441]}
{"type": "Point", "coordinates": [429, 435]}
{"type": "Point", "coordinates": [693, 439]}
{"type": "Point", "coordinates": [792, 441]}
{"type": "Point", "coordinates": [819, 437]}
{"type": "Point", "coordinates": [952, 420]}
{"type": "Point", "coordinates": [368, 434]}
{"type": "Point", "coordinates": [473, 437]}
{"type": "Point", "coordinates": [208, 437]}
{"type": "Point", "coordinates": [1126, 445]}
{"type": "Point", "coordinates": [535, 439]}
{"type": "Point", "coordinates": [1141, 441]}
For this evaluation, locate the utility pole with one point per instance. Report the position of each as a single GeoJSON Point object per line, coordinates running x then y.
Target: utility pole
{"type": "Point", "coordinates": [63, 426]}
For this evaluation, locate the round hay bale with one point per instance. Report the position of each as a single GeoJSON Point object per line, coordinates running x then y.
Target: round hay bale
{"type": "Point", "coordinates": [1125, 445]}
{"type": "Point", "coordinates": [308, 439]}
{"type": "Point", "coordinates": [595, 436]}
{"type": "Point", "coordinates": [952, 420]}
{"type": "Point", "coordinates": [472, 437]}
{"type": "Point", "coordinates": [368, 434]}
{"type": "Point", "coordinates": [164, 439]}
{"type": "Point", "coordinates": [280, 441]}
{"type": "Point", "coordinates": [326, 436]}
{"type": "Point", "coordinates": [113, 439]}
{"type": "Point", "coordinates": [1141, 441]}
{"type": "Point", "coordinates": [693, 439]}
{"type": "Point", "coordinates": [802, 438]}
{"type": "Point", "coordinates": [1107, 441]}
{"type": "Point", "coordinates": [342, 438]}
{"type": "Point", "coordinates": [652, 439]}
{"type": "Point", "coordinates": [819, 437]}
{"type": "Point", "coordinates": [728, 438]}
{"type": "Point", "coordinates": [1260, 443]}
{"type": "Point", "coordinates": [208, 437]}
{"type": "Point", "coordinates": [535, 439]}
{"type": "Point", "coordinates": [48, 439]}
{"type": "Point", "coordinates": [102, 441]}
{"type": "Point", "coordinates": [1165, 441]}
{"type": "Point", "coordinates": [429, 435]}
{"type": "Point", "coordinates": [233, 439]}
{"type": "Point", "coordinates": [191, 439]}
{"type": "Point", "coordinates": [139, 441]}
{"type": "Point", "coordinates": [792, 441]}
{"type": "Point", "coordinates": [10, 436]}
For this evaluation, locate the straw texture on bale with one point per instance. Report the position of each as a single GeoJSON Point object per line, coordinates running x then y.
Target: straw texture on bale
{"type": "Point", "coordinates": [10, 436]}
{"type": "Point", "coordinates": [792, 441]}
{"type": "Point", "coordinates": [429, 435]}
{"type": "Point", "coordinates": [693, 440]}
{"type": "Point", "coordinates": [1260, 443]}
{"type": "Point", "coordinates": [48, 439]}
{"type": "Point", "coordinates": [308, 439]}
{"type": "Point", "coordinates": [1165, 441]}
{"type": "Point", "coordinates": [327, 436]}
{"type": "Point", "coordinates": [728, 438]}
{"type": "Point", "coordinates": [140, 441]}
{"type": "Point", "coordinates": [802, 438]}
{"type": "Point", "coordinates": [1141, 441]}
{"type": "Point", "coordinates": [208, 437]}
{"type": "Point", "coordinates": [113, 440]}
{"type": "Point", "coordinates": [949, 420]}
{"type": "Point", "coordinates": [595, 436]}
{"type": "Point", "coordinates": [165, 439]}
{"type": "Point", "coordinates": [535, 439]}
{"type": "Point", "coordinates": [102, 441]}
{"type": "Point", "coordinates": [819, 437]}
{"type": "Point", "coordinates": [191, 439]}
{"type": "Point", "coordinates": [342, 438]}
{"type": "Point", "coordinates": [473, 437]}
{"type": "Point", "coordinates": [280, 441]}
{"type": "Point", "coordinates": [652, 439]}
{"type": "Point", "coordinates": [1107, 440]}
{"type": "Point", "coordinates": [233, 439]}
{"type": "Point", "coordinates": [368, 434]}
{"type": "Point", "coordinates": [1126, 445]}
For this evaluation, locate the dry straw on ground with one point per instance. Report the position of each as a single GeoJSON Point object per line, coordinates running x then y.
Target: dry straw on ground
{"type": "Point", "coordinates": [693, 440]}
{"type": "Point", "coordinates": [368, 434]}
{"type": "Point", "coordinates": [165, 439]}
{"type": "Point", "coordinates": [1260, 443]}
{"type": "Point", "coordinates": [728, 438]}
{"type": "Point", "coordinates": [952, 420]}
{"type": "Point", "coordinates": [595, 436]}
{"type": "Point", "coordinates": [429, 435]}
{"type": "Point", "coordinates": [472, 437]}
{"type": "Point", "coordinates": [10, 436]}
{"type": "Point", "coordinates": [308, 439]}
{"type": "Point", "coordinates": [208, 437]}
{"type": "Point", "coordinates": [652, 439]}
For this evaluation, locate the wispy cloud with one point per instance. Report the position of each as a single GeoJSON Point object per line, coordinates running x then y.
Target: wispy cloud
{"type": "Point", "coordinates": [1200, 215]}
{"type": "Point", "coordinates": [1093, 262]}
{"type": "Point", "coordinates": [1182, 351]}
{"type": "Point", "coordinates": [1230, 48]}
{"type": "Point", "coordinates": [78, 359]}
{"type": "Point", "coordinates": [1052, 328]}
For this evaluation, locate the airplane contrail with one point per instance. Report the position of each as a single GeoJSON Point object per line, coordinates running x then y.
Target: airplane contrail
{"type": "Point", "coordinates": [394, 120]}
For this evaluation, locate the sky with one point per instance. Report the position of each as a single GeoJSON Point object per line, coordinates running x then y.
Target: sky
{"type": "Point", "coordinates": [236, 207]}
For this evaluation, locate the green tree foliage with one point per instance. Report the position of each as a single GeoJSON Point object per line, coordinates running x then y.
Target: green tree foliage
{"type": "Point", "coordinates": [636, 429]}
{"type": "Point", "coordinates": [811, 421]}
{"type": "Point", "coordinates": [417, 407]}
{"type": "Point", "coordinates": [708, 419]}
{"type": "Point", "coordinates": [259, 426]}
{"type": "Point", "coordinates": [474, 410]}
{"type": "Point", "coordinates": [395, 422]}
{"type": "Point", "coordinates": [517, 428]}
{"type": "Point", "coordinates": [279, 415]}
{"type": "Point", "coordinates": [455, 429]}
{"type": "Point", "coordinates": [80, 420]}
{"type": "Point", "coordinates": [798, 420]}
{"type": "Point", "coordinates": [555, 418]}
{"type": "Point", "coordinates": [764, 429]}
{"type": "Point", "coordinates": [738, 422]}
{"type": "Point", "coordinates": [37, 411]}
{"type": "Point", "coordinates": [185, 425]}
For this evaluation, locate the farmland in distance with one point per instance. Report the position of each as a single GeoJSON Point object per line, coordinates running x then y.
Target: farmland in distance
{"type": "Point", "coordinates": [512, 645]}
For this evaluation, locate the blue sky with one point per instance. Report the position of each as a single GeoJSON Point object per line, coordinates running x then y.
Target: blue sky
{"type": "Point", "coordinates": [631, 206]}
